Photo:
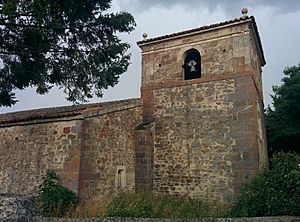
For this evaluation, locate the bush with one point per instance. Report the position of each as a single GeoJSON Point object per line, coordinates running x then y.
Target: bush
{"type": "Point", "coordinates": [53, 199]}
{"type": "Point", "coordinates": [274, 191]}
{"type": "Point", "coordinates": [151, 205]}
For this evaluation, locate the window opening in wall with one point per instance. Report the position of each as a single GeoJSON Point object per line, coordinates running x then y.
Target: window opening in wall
{"type": "Point", "coordinates": [120, 180]}
{"type": "Point", "coordinates": [192, 64]}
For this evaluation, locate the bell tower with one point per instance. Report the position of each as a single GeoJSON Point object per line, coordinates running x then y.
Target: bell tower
{"type": "Point", "coordinates": [203, 132]}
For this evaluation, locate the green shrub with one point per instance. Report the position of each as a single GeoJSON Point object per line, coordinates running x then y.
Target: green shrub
{"type": "Point", "coordinates": [53, 199]}
{"type": "Point", "coordinates": [161, 206]}
{"type": "Point", "coordinates": [274, 191]}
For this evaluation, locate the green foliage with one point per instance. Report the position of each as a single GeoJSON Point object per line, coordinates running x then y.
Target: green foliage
{"type": "Point", "coordinates": [53, 199]}
{"type": "Point", "coordinates": [161, 206]}
{"type": "Point", "coordinates": [71, 44]}
{"type": "Point", "coordinates": [274, 191]}
{"type": "Point", "coordinates": [283, 122]}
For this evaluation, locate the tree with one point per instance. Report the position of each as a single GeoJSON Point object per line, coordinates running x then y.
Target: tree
{"type": "Point", "coordinates": [72, 44]}
{"type": "Point", "coordinates": [283, 121]}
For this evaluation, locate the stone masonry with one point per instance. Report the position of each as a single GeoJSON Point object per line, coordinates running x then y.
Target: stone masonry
{"type": "Point", "coordinates": [208, 132]}
{"type": "Point", "coordinates": [84, 145]}
{"type": "Point", "coordinates": [28, 150]}
{"type": "Point", "coordinates": [202, 136]}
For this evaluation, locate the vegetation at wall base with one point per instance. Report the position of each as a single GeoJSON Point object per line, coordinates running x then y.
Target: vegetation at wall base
{"type": "Point", "coordinates": [150, 205]}
{"type": "Point", "coordinates": [274, 191]}
{"type": "Point", "coordinates": [53, 199]}
{"type": "Point", "coordinates": [91, 208]}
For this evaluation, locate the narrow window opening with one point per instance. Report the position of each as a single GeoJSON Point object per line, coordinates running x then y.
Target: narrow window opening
{"type": "Point", "coordinates": [120, 179]}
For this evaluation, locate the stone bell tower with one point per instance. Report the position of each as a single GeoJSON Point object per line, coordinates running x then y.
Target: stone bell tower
{"type": "Point", "coordinates": [203, 131]}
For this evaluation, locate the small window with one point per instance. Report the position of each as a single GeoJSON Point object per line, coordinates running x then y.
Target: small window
{"type": "Point", "coordinates": [120, 179]}
{"type": "Point", "coordinates": [192, 64]}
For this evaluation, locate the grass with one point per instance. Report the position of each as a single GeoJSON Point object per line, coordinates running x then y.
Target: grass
{"type": "Point", "coordinates": [89, 209]}
{"type": "Point", "coordinates": [149, 205]}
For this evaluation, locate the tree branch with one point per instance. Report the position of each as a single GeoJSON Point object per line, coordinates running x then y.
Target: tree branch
{"type": "Point", "coordinates": [49, 27]}
{"type": "Point", "coordinates": [49, 51]}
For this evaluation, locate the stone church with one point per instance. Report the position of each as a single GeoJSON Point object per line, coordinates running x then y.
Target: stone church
{"type": "Point", "coordinates": [197, 130]}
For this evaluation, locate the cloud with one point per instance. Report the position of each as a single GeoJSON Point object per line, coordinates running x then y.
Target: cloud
{"type": "Point", "coordinates": [281, 6]}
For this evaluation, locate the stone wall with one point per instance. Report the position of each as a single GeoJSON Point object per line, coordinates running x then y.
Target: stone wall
{"type": "Point", "coordinates": [108, 154]}
{"type": "Point", "coordinates": [209, 132]}
{"type": "Point", "coordinates": [227, 50]}
{"type": "Point", "coordinates": [27, 150]}
{"type": "Point", "coordinates": [93, 151]}
{"type": "Point", "coordinates": [17, 208]}
{"type": "Point", "coordinates": [144, 157]}
{"type": "Point", "coordinates": [193, 146]}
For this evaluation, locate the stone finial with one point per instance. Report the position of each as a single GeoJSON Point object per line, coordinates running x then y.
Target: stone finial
{"type": "Point", "coordinates": [145, 35]}
{"type": "Point", "coordinates": [244, 12]}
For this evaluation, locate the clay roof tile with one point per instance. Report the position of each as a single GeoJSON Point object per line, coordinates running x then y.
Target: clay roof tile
{"type": "Point", "coordinates": [58, 112]}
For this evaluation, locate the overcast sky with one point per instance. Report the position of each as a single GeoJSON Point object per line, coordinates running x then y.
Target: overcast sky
{"type": "Point", "coordinates": [278, 23]}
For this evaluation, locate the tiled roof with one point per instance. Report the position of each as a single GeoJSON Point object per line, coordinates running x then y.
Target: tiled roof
{"type": "Point", "coordinates": [60, 112]}
{"type": "Point", "coordinates": [207, 27]}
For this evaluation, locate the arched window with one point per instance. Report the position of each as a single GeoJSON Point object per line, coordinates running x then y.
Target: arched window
{"type": "Point", "coordinates": [192, 64]}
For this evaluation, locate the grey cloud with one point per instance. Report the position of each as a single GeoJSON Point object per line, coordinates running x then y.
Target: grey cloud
{"type": "Point", "coordinates": [283, 6]}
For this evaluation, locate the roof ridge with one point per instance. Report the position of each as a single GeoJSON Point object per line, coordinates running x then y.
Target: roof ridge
{"type": "Point", "coordinates": [58, 112]}
{"type": "Point", "coordinates": [204, 27]}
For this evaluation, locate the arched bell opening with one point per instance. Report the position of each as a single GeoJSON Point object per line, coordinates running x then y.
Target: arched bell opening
{"type": "Point", "coordinates": [192, 64]}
